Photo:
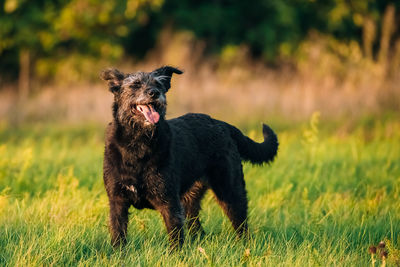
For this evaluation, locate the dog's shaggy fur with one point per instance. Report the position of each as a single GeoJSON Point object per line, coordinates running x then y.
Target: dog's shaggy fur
{"type": "Point", "coordinates": [167, 165]}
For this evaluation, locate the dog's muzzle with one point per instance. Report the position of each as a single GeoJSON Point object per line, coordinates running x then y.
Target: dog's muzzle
{"type": "Point", "coordinates": [149, 113]}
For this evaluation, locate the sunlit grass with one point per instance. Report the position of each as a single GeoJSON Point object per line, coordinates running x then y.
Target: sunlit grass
{"type": "Point", "coordinates": [324, 201]}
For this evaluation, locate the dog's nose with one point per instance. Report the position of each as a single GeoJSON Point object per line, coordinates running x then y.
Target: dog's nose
{"type": "Point", "coordinates": [154, 93]}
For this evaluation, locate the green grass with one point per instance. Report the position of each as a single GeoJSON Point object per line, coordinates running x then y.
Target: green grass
{"type": "Point", "coordinates": [328, 197]}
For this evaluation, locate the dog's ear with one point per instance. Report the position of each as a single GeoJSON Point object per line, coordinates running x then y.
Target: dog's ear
{"type": "Point", "coordinates": [164, 74]}
{"type": "Point", "coordinates": [114, 79]}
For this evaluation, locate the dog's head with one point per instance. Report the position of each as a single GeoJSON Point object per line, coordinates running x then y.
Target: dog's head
{"type": "Point", "coordinates": [140, 97]}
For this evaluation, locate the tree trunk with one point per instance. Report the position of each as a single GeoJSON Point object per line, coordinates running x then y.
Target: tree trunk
{"type": "Point", "coordinates": [24, 74]}
{"type": "Point", "coordinates": [388, 27]}
{"type": "Point", "coordinates": [369, 33]}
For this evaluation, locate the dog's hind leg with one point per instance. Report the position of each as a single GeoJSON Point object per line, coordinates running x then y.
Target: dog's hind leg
{"type": "Point", "coordinates": [191, 203]}
{"type": "Point", "coordinates": [229, 187]}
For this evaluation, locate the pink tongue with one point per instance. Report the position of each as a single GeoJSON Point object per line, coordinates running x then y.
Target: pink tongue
{"type": "Point", "coordinates": [148, 111]}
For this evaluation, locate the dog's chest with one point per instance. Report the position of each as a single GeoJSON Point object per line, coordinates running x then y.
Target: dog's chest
{"type": "Point", "coordinates": [136, 193]}
{"type": "Point", "coordinates": [139, 174]}
{"type": "Point", "coordinates": [134, 185]}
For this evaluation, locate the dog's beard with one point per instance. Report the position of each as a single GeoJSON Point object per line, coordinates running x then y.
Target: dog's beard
{"type": "Point", "coordinates": [141, 113]}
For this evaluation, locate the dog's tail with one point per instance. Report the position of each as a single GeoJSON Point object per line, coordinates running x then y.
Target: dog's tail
{"type": "Point", "coordinates": [256, 152]}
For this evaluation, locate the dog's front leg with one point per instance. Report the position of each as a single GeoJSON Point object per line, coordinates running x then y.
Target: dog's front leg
{"type": "Point", "coordinates": [118, 220]}
{"type": "Point", "coordinates": [173, 216]}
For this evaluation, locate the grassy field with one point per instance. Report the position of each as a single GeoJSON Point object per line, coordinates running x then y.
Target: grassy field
{"type": "Point", "coordinates": [329, 196]}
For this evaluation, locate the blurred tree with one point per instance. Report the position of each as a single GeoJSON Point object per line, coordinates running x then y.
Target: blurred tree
{"type": "Point", "coordinates": [42, 32]}
{"type": "Point", "coordinates": [19, 39]}
{"type": "Point", "coordinates": [51, 29]}
{"type": "Point", "coordinates": [272, 28]}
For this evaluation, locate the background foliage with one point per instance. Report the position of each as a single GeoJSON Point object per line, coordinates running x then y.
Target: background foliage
{"type": "Point", "coordinates": [53, 30]}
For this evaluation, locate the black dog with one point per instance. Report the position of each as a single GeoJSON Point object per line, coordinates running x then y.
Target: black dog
{"type": "Point", "coordinates": [167, 165]}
